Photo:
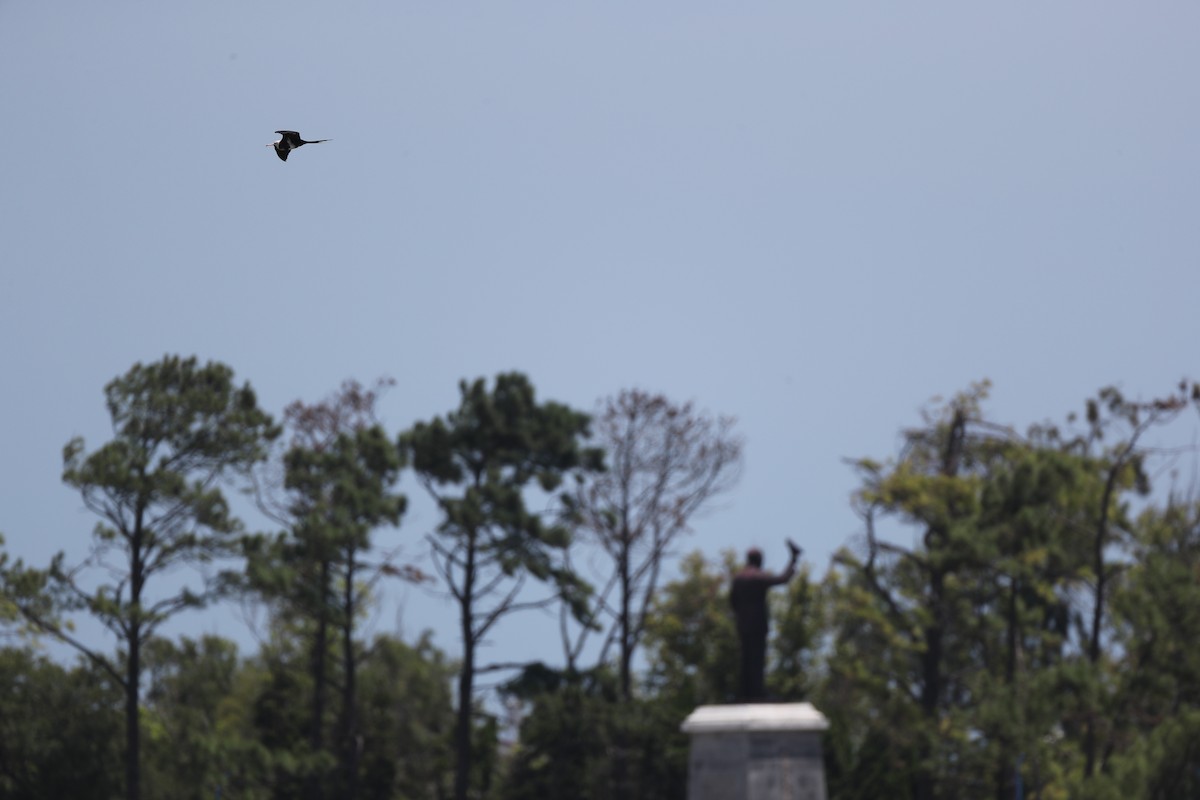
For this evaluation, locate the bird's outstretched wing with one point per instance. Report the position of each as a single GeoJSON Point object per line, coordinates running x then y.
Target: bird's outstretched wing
{"type": "Point", "coordinates": [283, 154]}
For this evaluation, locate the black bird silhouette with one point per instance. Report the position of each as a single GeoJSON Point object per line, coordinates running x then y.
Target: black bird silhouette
{"type": "Point", "coordinates": [289, 141]}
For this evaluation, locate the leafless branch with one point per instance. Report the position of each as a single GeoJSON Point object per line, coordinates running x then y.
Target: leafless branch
{"type": "Point", "coordinates": [505, 606]}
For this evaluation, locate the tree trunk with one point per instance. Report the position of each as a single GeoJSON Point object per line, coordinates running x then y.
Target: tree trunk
{"type": "Point", "coordinates": [626, 639]}
{"type": "Point", "coordinates": [620, 767]}
{"type": "Point", "coordinates": [931, 687]}
{"type": "Point", "coordinates": [132, 728]}
{"type": "Point", "coordinates": [466, 678]}
{"type": "Point", "coordinates": [1089, 742]}
{"type": "Point", "coordinates": [349, 693]}
{"type": "Point", "coordinates": [316, 734]}
{"type": "Point", "coordinates": [133, 663]}
{"type": "Point", "coordinates": [934, 633]}
{"type": "Point", "coordinates": [1004, 768]}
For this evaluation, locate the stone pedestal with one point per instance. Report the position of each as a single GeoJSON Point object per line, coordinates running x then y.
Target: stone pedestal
{"type": "Point", "coordinates": [764, 751]}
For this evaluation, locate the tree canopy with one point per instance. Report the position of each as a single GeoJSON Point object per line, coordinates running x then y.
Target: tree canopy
{"type": "Point", "coordinates": [1017, 614]}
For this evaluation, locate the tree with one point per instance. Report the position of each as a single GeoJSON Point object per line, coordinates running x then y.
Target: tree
{"type": "Point", "coordinates": [345, 494]}
{"type": "Point", "coordinates": [221, 726]}
{"type": "Point", "coordinates": [691, 638]}
{"type": "Point", "coordinates": [983, 650]}
{"type": "Point", "coordinates": [1156, 652]}
{"type": "Point", "coordinates": [479, 463]}
{"type": "Point", "coordinates": [565, 739]}
{"type": "Point", "coordinates": [1033, 509]}
{"type": "Point", "coordinates": [198, 742]}
{"type": "Point", "coordinates": [8, 611]}
{"type": "Point", "coordinates": [579, 721]}
{"type": "Point", "coordinates": [692, 655]}
{"type": "Point", "coordinates": [667, 462]}
{"type": "Point", "coordinates": [179, 428]}
{"type": "Point", "coordinates": [338, 476]}
{"type": "Point", "coordinates": [60, 729]}
{"type": "Point", "coordinates": [407, 720]}
{"type": "Point", "coordinates": [800, 622]}
{"type": "Point", "coordinates": [279, 712]}
{"type": "Point", "coordinates": [908, 610]}
{"type": "Point", "coordinates": [1121, 466]}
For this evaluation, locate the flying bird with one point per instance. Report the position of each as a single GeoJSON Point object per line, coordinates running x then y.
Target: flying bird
{"type": "Point", "coordinates": [289, 141]}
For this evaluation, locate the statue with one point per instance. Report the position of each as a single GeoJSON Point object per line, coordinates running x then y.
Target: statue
{"type": "Point", "coordinates": [748, 596]}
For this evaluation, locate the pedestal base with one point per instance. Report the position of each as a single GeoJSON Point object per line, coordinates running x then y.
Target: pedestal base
{"type": "Point", "coordinates": [764, 751]}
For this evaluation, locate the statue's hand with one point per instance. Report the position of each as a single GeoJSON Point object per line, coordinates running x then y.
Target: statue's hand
{"type": "Point", "coordinates": [795, 548]}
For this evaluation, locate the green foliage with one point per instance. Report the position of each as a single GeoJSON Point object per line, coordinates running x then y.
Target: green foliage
{"type": "Point", "coordinates": [582, 739]}
{"type": "Point", "coordinates": [344, 486]}
{"type": "Point", "coordinates": [276, 693]}
{"type": "Point", "coordinates": [479, 463]}
{"type": "Point", "coordinates": [493, 448]}
{"type": "Point", "coordinates": [1005, 615]}
{"type": "Point", "coordinates": [570, 738]}
{"type": "Point", "coordinates": [1157, 613]}
{"type": "Point", "coordinates": [59, 730]}
{"type": "Point", "coordinates": [337, 488]}
{"type": "Point", "coordinates": [407, 720]}
{"type": "Point", "coordinates": [179, 428]}
{"type": "Point", "coordinates": [198, 740]}
{"type": "Point", "coordinates": [560, 743]}
{"type": "Point", "coordinates": [1162, 764]}
{"type": "Point", "coordinates": [690, 637]}
{"type": "Point", "coordinates": [217, 724]}
{"type": "Point", "coordinates": [799, 620]}
{"type": "Point", "coordinates": [1153, 673]}
{"type": "Point", "coordinates": [948, 658]}
{"type": "Point", "coordinates": [980, 652]}
{"type": "Point", "coordinates": [8, 609]}
{"type": "Point", "coordinates": [339, 493]}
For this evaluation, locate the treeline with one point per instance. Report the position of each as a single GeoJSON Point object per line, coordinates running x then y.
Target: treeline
{"type": "Point", "coordinates": [1020, 615]}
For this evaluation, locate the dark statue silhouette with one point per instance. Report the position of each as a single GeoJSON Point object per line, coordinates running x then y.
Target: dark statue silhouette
{"type": "Point", "coordinates": [748, 596]}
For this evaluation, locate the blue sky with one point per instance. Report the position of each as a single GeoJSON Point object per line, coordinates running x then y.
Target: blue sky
{"type": "Point", "coordinates": [813, 217]}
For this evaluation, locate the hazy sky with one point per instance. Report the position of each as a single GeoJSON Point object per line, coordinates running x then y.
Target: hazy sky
{"type": "Point", "coordinates": [813, 217]}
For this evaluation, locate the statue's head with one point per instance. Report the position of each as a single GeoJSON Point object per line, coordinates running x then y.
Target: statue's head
{"type": "Point", "coordinates": [754, 557]}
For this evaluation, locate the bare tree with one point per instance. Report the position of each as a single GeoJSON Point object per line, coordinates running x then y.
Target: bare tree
{"type": "Point", "coordinates": [667, 462]}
